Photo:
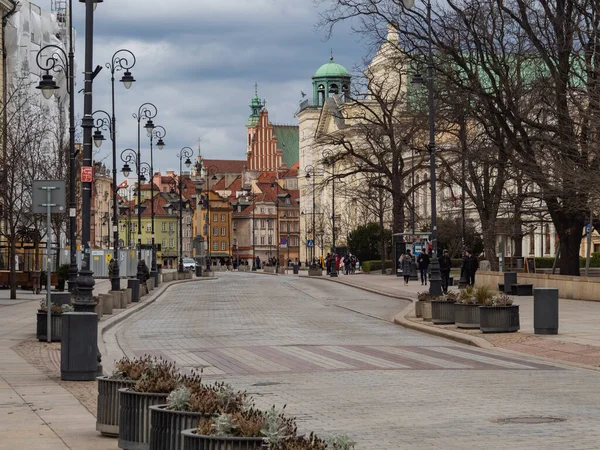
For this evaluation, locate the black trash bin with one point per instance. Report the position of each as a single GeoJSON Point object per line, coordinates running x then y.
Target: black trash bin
{"type": "Point", "coordinates": [510, 278]}
{"type": "Point", "coordinates": [198, 270]}
{"type": "Point", "coordinates": [134, 284]}
{"type": "Point", "coordinates": [545, 310]}
{"type": "Point", "coordinates": [296, 268]}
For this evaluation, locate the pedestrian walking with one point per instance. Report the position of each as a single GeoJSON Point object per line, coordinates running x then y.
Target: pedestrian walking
{"type": "Point", "coordinates": [328, 263]}
{"type": "Point", "coordinates": [423, 262]}
{"type": "Point", "coordinates": [445, 266]}
{"type": "Point", "coordinates": [470, 266]}
{"type": "Point", "coordinates": [406, 266]}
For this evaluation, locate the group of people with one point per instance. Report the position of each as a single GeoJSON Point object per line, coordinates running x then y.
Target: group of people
{"type": "Point", "coordinates": [469, 267]}
{"type": "Point", "coordinates": [345, 264]}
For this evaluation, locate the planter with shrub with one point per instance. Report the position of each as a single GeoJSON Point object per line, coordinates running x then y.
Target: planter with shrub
{"type": "Point", "coordinates": [56, 312]}
{"type": "Point", "coordinates": [127, 372]}
{"type": "Point", "coordinates": [442, 309]}
{"type": "Point", "coordinates": [499, 315]}
{"type": "Point", "coordinates": [157, 381]}
{"type": "Point", "coordinates": [466, 310]}
{"type": "Point", "coordinates": [186, 406]}
{"type": "Point", "coordinates": [424, 300]}
{"type": "Point", "coordinates": [62, 274]}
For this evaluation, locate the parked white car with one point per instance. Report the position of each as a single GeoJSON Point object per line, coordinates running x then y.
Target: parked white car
{"type": "Point", "coordinates": [189, 264]}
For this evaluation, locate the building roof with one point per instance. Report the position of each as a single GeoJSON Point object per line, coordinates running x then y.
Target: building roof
{"type": "Point", "coordinates": [226, 165]}
{"type": "Point", "coordinates": [331, 70]}
{"type": "Point", "coordinates": [288, 140]}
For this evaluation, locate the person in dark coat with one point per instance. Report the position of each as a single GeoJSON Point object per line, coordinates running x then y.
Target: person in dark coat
{"type": "Point", "coordinates": [470, 266]}
{"type": "Point", "coordinates": [423, 262]}
{"type": "Point", "coordinates": [445, 266]}
{"type": "Point", "coordinates": [406, 266]}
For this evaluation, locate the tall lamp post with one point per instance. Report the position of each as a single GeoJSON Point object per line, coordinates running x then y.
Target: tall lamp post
{"type": "Point", "coordinates": [187, 153]}
{"type": "Point", "coordinates": [275, 184]}
{"type": "Point", "coordinates": [250, 195]}
{"type": "Point", "coordinates": [329, 160]}
{"type": "Point", "coordinates": [435, 282]}
{"type": "Point", "coordinates": [159, 133]}
{"type": "Point", "coordinates": [310, 173]}
{"type": "Point", "coordinates": [129, 156]}
{"type": "Point", "coordinates": [146, 111]}
{"type": "Point", "coordinates": [214, 170]}
{"type": "Point", "coordinates": [58, 61]}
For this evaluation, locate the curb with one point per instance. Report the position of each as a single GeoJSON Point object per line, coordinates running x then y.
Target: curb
{"type": "Point", "coordinates": [456, 336]}
{"type": "Point", "coordinates": [106, 325]}
{"type": "Point", "coordinates": [367, 289]}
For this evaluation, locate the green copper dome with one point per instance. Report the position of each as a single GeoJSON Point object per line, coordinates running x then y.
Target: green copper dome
{"type": "Point", "coordinates": [331, 70]}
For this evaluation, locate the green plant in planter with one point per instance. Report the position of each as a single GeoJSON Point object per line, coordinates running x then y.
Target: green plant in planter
{"type": "Point", "coordinates": [483, 294]}
{"type": "Point", "coordinates": [158, 377]}
{"type": "Point", "coordinates": [340, 442]}
{"type": "Point", "coordinates": [499, 300]}
{"type": "Point", "coordinates": [467, 296]}
{"type": "Point", "coordinates": [426, 297]}
{"type": "Point", "coordinates": [450, 296]}
{"type": "Point", "coordinates": [179, 399]}
{"type": "Point", "coordinates": [54, 308]}
{"type": "Point", "coordinates": [275, 427]}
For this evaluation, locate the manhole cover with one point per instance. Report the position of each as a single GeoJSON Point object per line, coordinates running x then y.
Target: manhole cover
{"type": "Point", "coordinates": [529, 420]}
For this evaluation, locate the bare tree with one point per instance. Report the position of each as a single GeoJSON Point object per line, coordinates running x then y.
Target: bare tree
{"type": "Point", "coordinates": [24, 157]}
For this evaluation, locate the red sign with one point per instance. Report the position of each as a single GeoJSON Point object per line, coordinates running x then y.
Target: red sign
{"type": "Point", "coordinates": [87, 174]}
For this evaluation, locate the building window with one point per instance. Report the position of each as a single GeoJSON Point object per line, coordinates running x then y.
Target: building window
{"type": "Point", "coordinates": [294, 242]}
{"type": "Point", "coordinates": [215, 246]}
{"type": "Point", "coordinates": [296, 227]}
{"type": "Point", "coordinates": [215, 231]}
{"type": "Point", "coordinates": [262, 210]}
{"type": "Point", "coordinates": [171, 227]}
{"type": "Point", "coordinates": [223, 245]}
{"type": "Point", "coordinates": [188, 219]}
{"type": "Point", "coordinates": [262, 240]}
{"type": "Point", "coordinates": [122, 228]}
{"type": "Point", "coordinates": [234, 224]}
{"type": "Point", "coordinates": [149, 227]}
{"type": "Point", "coordinates": [223, 218]}
{"type": "Point", "coordinates": [164, 243]}
{"type": "Point", "coordinates": [172, 243]}
{"type": "Point", "coordinates": [164, 226]}
{"type": "Point", "coordinates": [270, 224]}
{"type": "Point", "coordinates": [223, 233]}
{"type": "Point", "coordinates": [189, 247]}
{"type": "Point", "coordinates": [253, 240]}
{"type": "Point", "coordinates": [281, 226]}
{"type": "Point", "coordinates": [215, 217]}
{"type": "Point", "coordinates": [262, 224]}
{"type": "Point", "coordinates": [148, 241]}
{"type": "Point", "coordinates": [270, 240]}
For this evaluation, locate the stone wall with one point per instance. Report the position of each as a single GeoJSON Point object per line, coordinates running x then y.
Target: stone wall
{"type": "Point", "coordinates": [577, 288]}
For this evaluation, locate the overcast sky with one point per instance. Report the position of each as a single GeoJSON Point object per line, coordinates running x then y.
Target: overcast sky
{"type": "Point", "coordinates": [198, 60]}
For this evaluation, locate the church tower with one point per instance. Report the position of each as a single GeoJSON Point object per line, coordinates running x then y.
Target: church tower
{"type": "Point", "coordinates": [262, 152]}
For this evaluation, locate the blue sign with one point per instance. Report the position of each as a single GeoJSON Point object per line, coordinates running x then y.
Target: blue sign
{"type": "Point", "coordinates": [310, 243]}
{"type": "Point", "coordinates": [588, 228]}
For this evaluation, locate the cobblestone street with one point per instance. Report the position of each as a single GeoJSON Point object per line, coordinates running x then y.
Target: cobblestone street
{"type": "Point", "coordinates": [332, 354]}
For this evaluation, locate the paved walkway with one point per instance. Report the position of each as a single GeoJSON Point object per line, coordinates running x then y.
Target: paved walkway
{"type": "Point", "coordinates": [36, 412]}
{"type": "Point", "coordinates": [578, 340]}
{"type": "Point", "coordinates": [299, 341]}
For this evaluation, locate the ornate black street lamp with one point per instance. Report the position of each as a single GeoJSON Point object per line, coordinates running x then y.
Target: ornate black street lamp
{"type": "Point", "coordinates": [329, 160]}
{"type": "Point", "coordinates": [435, 281]}
{"type": "Point", "coordinates": [142, 169]}
{"type": "Point", "coordinates": [59, 61]}
{"type": "Point", "coordinates": [146, 111]}
{"type": "Point", "coordinates": [311, 173]}
{"type": "Point", "coordinates": [187, 153]}
{"type": "Point", "coordinates": [214, 170]}
{"type": "Point", "coordinates": [159, 133]}
{"type": "Point", "coordinates": [122, 60]}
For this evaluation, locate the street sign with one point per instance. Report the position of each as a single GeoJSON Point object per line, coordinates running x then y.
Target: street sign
{"type": "Point", "coordinates": [310, 243]}
{"type": "Point", "coordinates": [588, 228]}
{"type": "Point", "coordinates": [40, 196]}
{"type": "Point", "coordinates": [87, 174]}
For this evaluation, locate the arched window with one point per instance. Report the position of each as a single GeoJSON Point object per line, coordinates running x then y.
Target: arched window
{"type": "Point", "coordinates": [334, 89]}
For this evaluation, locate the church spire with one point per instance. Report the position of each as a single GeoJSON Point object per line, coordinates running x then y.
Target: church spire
{"type": "Point", "coordinates": [256, 105]}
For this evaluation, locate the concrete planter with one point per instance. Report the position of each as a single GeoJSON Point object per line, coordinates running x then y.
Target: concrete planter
{"type": "Point", "coordinates": [129, 293]}
{"type": "Point", "coordinates": [150, 284]}
{"type": "Point", "coordinates": [134, 418]}
{"type": "Point", "coordinates": [42, 327]}
{"type": "Point", "coordinates": [281, 271]}
{"type": "Point", "coordinates": [315, 273]}
{"type": "Point", "coordinates": [426, 311]}
{"type": "Point", "coordinates": [442, 313]}
{"type": "Point", "coordinates": [193, 441]}
{"type": "Point", "coordinates": [143, 289]}
{"type": "Point", "coordinates": [107, 412]}
{"type": "Point", "coordinates": [188, 275]}
{"type": "Point", "coordinates": [123, 296]}
{"type": "Point", "coordinates": [166, 427]}
{"type": "Point", "coordinates": [98, 309]}
{"type": "Point", "coordinates": [207, 274]}
{"type": "Point", "coordinates": [499, 319]}
{"type": "Point", "coordinates": [419, 308]}
{"type": "Point", "coordinates": [466, 315]}
{"type": "Point", "coordinates": [116, 295]}
{"type": "Point", "coordinates": [106, 300]}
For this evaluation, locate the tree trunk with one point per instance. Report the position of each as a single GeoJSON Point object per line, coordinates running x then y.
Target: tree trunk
{"type": "Point", "coordinates": [489, 242]}
{"type": "Point", "coordinates": [382, 242]}
{"type": "Point", "coordinates": [398, 209]}
{"type": "Point", "coordinates": [570, 244]}
{"type": "Point", "coordinates": [13, 268]}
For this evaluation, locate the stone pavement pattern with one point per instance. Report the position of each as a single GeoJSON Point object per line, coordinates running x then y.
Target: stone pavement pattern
{"type": "Point", "coordinates": [300, 342]}
{"type": "Point", "coordinates": [36, 412]}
